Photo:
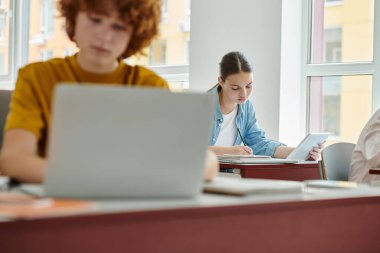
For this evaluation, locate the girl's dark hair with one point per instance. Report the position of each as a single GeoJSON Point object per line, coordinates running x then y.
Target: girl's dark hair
{"type": "Point", "coordinates": [233, 63]}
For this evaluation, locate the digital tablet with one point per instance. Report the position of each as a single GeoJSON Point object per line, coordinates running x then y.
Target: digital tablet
{"type": "Point", "coordinates": [330, 184]}
{"type": "Point", "coordinates": [301, 152]}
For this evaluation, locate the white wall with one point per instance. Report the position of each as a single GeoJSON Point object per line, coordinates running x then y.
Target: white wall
{"type": "Point", "coordinates": [250, 26]}
{"type": "Point", "coordinates": [293, 93]}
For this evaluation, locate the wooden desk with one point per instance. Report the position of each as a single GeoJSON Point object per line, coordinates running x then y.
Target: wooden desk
{"type": "Point", "coordinates": [290, 171]}
{"type": "Point", "coordinates": [298, 225]}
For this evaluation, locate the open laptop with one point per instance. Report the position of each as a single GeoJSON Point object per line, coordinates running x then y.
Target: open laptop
{"type": "Point", "coordinates": [109, 141]}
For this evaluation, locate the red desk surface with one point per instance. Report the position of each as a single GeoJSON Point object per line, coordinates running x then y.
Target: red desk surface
{"type": "Point", "coordinates": [296, 171]}
{"type": "Point", "coordinates": [374, 171]}
{"type": "Point", "coordinates": [343, 225]}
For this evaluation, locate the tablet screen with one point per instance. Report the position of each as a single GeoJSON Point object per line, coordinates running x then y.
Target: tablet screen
{"type": "Point", "coordinates": [301, 152]}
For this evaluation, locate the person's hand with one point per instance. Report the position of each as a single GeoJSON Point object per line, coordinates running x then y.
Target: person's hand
{"type": "Point", "coordinates": [240, 150]}
{"type": "Point", "coordinates": [315, 153]}
{"type": "Point", "coordinates": [211, 167]}
{"type": "Point", "coordinates": [234, 150]}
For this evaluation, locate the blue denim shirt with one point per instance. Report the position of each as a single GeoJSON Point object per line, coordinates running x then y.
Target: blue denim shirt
{"type": "Point", "coordinates": [248, 127]}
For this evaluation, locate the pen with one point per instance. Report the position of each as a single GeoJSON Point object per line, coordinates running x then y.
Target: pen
{"type": "Point", "coordinates": [245, 144]}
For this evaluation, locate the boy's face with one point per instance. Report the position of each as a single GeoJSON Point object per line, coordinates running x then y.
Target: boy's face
{"type": "Point", "coordinates": [101, 39]}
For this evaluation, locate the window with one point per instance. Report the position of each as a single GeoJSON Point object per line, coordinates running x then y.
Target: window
{"type": "Point", "coordinates": [35, 31]}
{"type": "Point", "coordinates": [333, 2]}
{"type": "Point", "coordinates": [342, 106]}
{"type": "Point", "coordinates": [168, 54]}
{"type": "Point", "coordinates": [68, 51]}
{"type": "Point", "coordinates": [3, 22]}
{"type": "Point", "coordinates": [47, 17]}
{"type": "Point", "coordinates": [333, 45]}
{"type": "Point", "coordinates": [164, 11]}
{"type": "Point", "coordinates": [46, 54]}
{"type": "Point", "coordinates": [187, 7]}
{"type": "Point", "coordinates": [45, 42]}
{"type": "Point", "coordinates": [187, 50]}
{"type": "Point", "coordinates": [347, 29]}
{"type": "Point", "coordinates": [157, 53]}
{"type": "Point", "coordinates": [4, 40]}
{"type": "Point", "coordinates": [2, 62]}
{"type": "Point", "coordinates": [340, 69]}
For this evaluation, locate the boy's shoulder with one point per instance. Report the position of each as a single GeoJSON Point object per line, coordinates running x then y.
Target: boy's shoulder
{"type": "Point", "coordinates": [145, 76]}
{"type": "Point", "coordinates": [54, 63]}
{"type": "Point", "coordinates": [141, 70]}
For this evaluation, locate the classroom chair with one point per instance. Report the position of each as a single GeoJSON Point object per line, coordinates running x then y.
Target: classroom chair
{"type": "Point", "coordinates": [336, 160]}
{"type": "Point", "coordinates": [5, 97]}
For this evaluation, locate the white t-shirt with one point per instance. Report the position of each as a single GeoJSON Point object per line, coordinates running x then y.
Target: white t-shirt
{"type": "Point", "coordinates": [366, 154]}
{"type": "Point", "coordinates": [228, 130]}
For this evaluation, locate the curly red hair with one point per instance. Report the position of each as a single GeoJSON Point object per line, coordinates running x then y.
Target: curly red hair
{"type": "Point", "coordinates": [143, 15]}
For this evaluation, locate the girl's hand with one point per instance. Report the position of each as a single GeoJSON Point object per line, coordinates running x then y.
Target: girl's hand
{"type": "Point", "coordinates": [234, 150]}
{"type": "Point", "coordinates": [315, 153]}
{"type": "Point", "coordinates": [240, 150]}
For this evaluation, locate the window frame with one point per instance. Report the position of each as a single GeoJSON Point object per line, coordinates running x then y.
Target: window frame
{"type": "Point", "coordinates": [18, 19]}
{"type": "Point", "coordinates": [46, 26]}
{"type": "Point", "coordinates": [310, 70]}
{"type": "Point", "coordinates": [172, 73]}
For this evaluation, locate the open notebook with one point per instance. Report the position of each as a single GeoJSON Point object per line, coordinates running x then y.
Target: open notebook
{"type": "Point", "coordinates": [252, 159]}
{"type": "Point", "coordinates": [246, 186]}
